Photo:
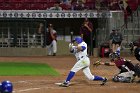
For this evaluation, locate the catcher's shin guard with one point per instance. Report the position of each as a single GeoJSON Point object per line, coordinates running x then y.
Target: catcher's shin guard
{"type": "Point", "coordinates": [123, 79]}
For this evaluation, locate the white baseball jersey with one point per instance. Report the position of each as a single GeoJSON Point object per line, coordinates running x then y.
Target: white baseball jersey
{"type": "Point", "coordinates": [83, 53]}
{"type": "Point", "coordinates": [82, 59]}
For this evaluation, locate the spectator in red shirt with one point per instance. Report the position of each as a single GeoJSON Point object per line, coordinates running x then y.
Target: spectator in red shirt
{"type": "Point", "coordinates": [86, 33]}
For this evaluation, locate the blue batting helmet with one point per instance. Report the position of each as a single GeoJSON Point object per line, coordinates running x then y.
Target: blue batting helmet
{"type": "Point", "coordinates": [6, 87]}
{"type": "Point", "coordinates": [0, 87]}
{"type": "Point", "coordinates": [78, 40]}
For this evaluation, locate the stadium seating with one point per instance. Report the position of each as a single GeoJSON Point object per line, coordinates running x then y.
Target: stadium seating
{"type": "Point", "coordinates": [90, 4]}
{"type": "Point", "coordinates": [42, 1]}
{"type": "Point", "coordinates": [17, 1]}
{"type": "Point", "coordinates": [45, 4]}
{"type": "Point", "coordinates": [1, 1]}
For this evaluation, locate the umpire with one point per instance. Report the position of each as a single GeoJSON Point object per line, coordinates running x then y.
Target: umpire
{"type": "Point", "coordinates": [115, 41]}
{"type": "Point", "coordinates": [137, 50]}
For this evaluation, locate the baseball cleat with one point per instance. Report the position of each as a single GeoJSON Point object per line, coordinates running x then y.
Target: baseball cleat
{"type": "Point", "coordinates": [64, 84]}
{"type": "Point", "coordinates": [104, 81]}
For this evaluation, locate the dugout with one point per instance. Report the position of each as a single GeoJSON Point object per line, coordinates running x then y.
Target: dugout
{"type": "Point", "coordinates": [18, 35]}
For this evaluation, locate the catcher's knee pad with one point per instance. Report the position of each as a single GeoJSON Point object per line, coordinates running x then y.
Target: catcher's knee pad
{"type": "Point", "coordinates": [115, 79]}
{"type": "Point", "coordinates": [6, 87]}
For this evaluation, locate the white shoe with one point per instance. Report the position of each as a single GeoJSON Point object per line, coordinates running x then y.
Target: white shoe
{"type": "Point", "coordinates": [104, 81]}
{"type": "Point", "coordinates": [64, 84]}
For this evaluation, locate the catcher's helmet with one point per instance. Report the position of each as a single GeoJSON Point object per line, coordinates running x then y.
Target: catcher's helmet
{"type": "Point", "coordinates": [6, 87]}
{"type": "Point", "coordinates": [78, 40]}
{"type": "Point", "coordinates": [112, 56]}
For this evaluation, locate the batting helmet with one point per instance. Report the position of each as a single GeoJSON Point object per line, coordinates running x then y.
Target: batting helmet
{"type": "Point", "coordinates": [6, 87]}
{"type": "Point", "coordinates": [0, 87]}
{"type": "Point", "coordinates": [78, 40]}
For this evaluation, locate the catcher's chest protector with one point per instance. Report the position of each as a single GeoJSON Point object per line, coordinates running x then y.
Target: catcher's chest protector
{"type": "Point", "coordinates": [129, 65]}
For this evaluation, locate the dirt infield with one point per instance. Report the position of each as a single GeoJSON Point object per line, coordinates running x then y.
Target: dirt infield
{"type": "Point", "coordinates": [46, 84]}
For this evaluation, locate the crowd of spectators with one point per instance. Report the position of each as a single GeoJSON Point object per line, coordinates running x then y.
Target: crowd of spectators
{"type": "Point", "coordinates": [64, 4]}
{"type": "Point", "coordinates": [93, 4]}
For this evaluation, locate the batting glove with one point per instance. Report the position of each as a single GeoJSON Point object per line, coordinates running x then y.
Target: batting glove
{"type": "Point", "coordinates": [70, 45]}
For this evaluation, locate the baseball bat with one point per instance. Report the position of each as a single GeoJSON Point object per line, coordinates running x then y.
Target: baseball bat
{"type": "Point", "coordinates": [71, 36]}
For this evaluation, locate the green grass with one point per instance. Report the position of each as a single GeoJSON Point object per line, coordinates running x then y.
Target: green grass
{"type": "Point", "coordinates": [26, 69]}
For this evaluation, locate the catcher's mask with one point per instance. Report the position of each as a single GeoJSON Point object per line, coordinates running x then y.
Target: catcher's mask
{"type": "Point", "coordinates": [78, 40]}
{"type": "Point", "coordinates": [112, 56]}
{"type": "Point", "coordinates": [6, 87]}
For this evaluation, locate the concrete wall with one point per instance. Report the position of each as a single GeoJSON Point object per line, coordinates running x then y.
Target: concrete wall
{"type": "Point", "coordinates": [10, 51]}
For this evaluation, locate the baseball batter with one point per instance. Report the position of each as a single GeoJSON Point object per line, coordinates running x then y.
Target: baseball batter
{"type": "Point", "coordinates": [79, 49]}
{"type": "Point", "coordinates": [127, 70]}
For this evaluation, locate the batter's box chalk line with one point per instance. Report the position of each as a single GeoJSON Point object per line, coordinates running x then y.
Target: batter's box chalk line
{"type": "Point", "coordinates": [35, 88]}
{"type": "Point", "coordinates": [32, 89]}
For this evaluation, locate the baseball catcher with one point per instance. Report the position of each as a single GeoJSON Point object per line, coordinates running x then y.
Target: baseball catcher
{"type": "Point", "coordinates": [115, 41]}
{"type": "Point", "coordinates": [79, 49]}
{"type": "Point", "coordinates": [128, 71]}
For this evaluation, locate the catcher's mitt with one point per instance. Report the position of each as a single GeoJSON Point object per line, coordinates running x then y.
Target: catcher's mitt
{"type": "Point", "coordinates": [97, 63]}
